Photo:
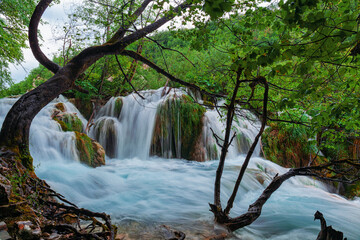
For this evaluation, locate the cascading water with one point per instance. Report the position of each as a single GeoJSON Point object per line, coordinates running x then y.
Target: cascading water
{"type": "Point", "coordinates": [141, 192]}
{"type": "Point", "coordinates": [128, 123]}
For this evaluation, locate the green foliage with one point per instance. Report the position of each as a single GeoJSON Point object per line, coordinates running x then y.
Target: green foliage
{"type": "Point", "coordinates": [35, 78]}
{"type": "Point", "coordinates": [290, 144]}
{"type": "Point", "coordinates": [217, 8]}
{"type": "Point", "coordinates": [14, 19]}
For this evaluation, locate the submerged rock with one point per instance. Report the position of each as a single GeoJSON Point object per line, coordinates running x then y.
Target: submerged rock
{"type": "Point", "coordinates": [178, 128]}
{"type": "Point", "coordinates": [90, 151]}
{"type": "Point", "coordinates": [172, 234]}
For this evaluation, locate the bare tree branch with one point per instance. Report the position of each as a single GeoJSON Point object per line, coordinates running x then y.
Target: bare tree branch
{"type": "Point", "coordinates": [225, 146]}
{"type": "Point", "coordinates": [252, 148]}
{"type": "Point", "coordinates": [126, 78]}
{"type": "Point", "coordinates": [122, 30]}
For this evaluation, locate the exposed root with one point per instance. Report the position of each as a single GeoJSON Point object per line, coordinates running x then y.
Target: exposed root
{"type": "Point", "coordinates": [31, 211]}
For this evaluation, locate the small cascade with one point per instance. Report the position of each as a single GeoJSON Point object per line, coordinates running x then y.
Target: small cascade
{"type": "Point", "coordinates": [124, 126]}
{"type": "Point", "coordinates": [169, 126]}
{"type": "Point", "coordinates": [47, 140]}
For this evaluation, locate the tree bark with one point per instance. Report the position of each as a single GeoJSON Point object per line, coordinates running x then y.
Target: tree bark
{"type": "Point", "coordinates": [226, 143]}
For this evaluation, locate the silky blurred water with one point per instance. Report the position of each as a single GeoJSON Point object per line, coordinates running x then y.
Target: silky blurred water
{"type": "Point", "coordinates": [144, 192]}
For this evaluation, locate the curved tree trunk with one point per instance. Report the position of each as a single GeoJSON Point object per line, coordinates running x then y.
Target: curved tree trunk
{"type": "Point", "coordinates": [14, 134]}
{"type": "Point", "coordinates": [15, 130]}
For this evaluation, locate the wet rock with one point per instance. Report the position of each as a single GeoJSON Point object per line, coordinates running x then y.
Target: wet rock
{"type": "Point", "coordinates": [99, 157]}
{"type": "Point", "coordinates": [118, 106]}
{"type": "Point", "coordinates": [60, 106]}
{"type": "Point", "coordinates": [27, 230]}
{"type": "Point", "coordinates": [178, 128]}
{"type": "Point", "coordinates": [68, 121]}
{"type": "Point", "coordinates": [90, 151]}
{"type": "Point", "coordinates": [260, 178]}
{"type": "Point", "coordinates": [106, 135]}
{"type": "Point", "coordinates": [171, 234]}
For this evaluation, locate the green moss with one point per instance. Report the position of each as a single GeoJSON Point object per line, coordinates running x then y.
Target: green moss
{"type": "Point", "coordinates": [84, 146]}
{"type": "Point", "coordinates": [69, 122]}
{"type": "Point", "coordinates": [178, 119]}
{"type": "Point", "coordinates": [287, 146]}
{"type": "Point", "coordinates": [88, 150]}
{"type": "Point", "coordinates": [118, 106]}
{"type": "Point", "coordinates": [352, 190]}
{"type": "Point", "coordinates": [60, 106]}
{"type": "Point", "coordinates": [25, 157]}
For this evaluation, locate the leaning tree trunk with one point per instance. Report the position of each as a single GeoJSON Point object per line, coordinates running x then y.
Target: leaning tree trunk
{"type": "Point", "coordinates": [14, 134]}
{"type": "Point", "coordinates": [15, 130]}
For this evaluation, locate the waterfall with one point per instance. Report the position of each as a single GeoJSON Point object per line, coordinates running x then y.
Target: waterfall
{"type": "Point", "coordinates": [127, 132]}
{"type": "Point", "coordinates": [125, 127]}
{"type": "Point", "coordinates": [47, 140]}
{"type": "Point", "coordinates": [141, 192]}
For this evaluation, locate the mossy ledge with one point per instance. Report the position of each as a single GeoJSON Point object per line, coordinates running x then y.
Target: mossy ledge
{"type": "Point", "coordinates": [118, 106]}
{"type": "Point", "coordinates": [288, 147]}
{"type": "Point", "coordinates": [178, 128]}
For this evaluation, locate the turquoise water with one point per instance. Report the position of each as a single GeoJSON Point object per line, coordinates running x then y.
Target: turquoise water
{"type": "Point", "coordinates": [141, 192]}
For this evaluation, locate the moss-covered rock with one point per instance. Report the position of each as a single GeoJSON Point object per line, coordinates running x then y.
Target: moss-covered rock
{"type": "Point", "coordinates": [288, 146]}
{"type": "Point", "coordinates": [90, 151]}
{"type": "Point", "coordinates": [118, 106]}
{"type": "Point", "coordinates": [69, 122]}
{"type": "Point", "coordinates": [178, 128]}
{"type": "Point", "coordinates": [60, 106]}
{"type": "Point", "coordinates": [352, 190]}
{"type": "Point", "coordinates": [106, 135]}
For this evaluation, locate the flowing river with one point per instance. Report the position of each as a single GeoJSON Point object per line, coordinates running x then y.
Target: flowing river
{"type": "Point", "coordinates": [141, 192]}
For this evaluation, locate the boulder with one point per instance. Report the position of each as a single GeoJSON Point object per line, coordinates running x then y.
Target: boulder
{"type": "Point", "coordinates": [118, 106]}
{"type": "Point", "coordinates": [288, 147]}
{"type": "Point", "coordinates": [90, 152]}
